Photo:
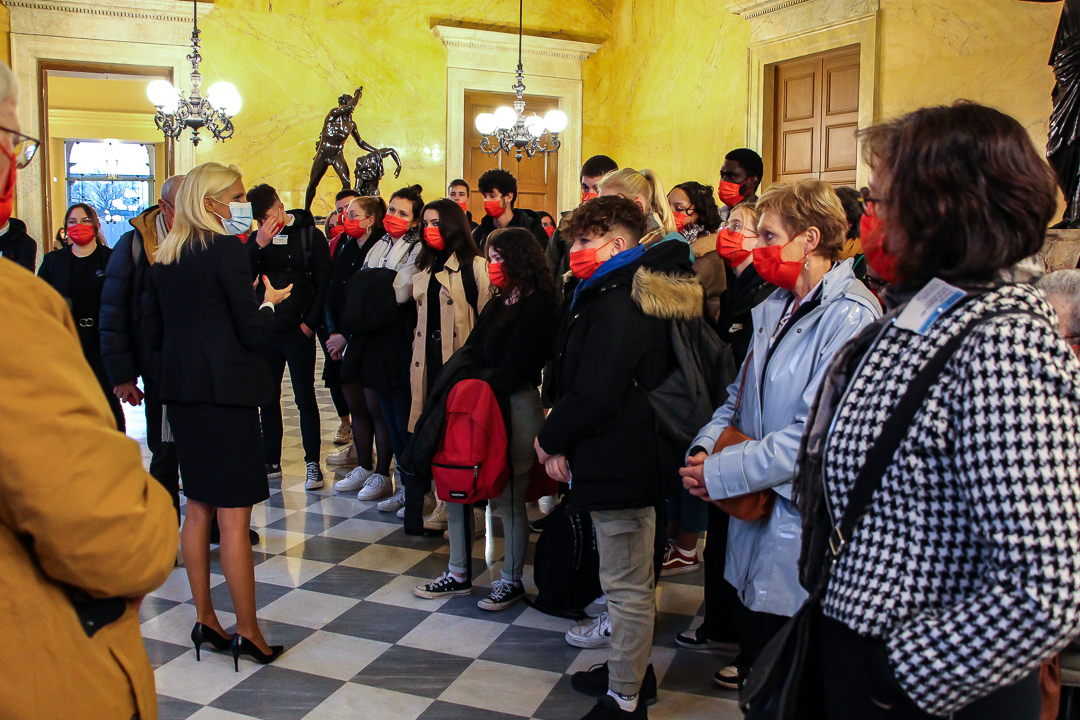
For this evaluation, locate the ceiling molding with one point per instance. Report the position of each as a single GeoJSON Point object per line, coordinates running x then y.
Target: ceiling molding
{"type": "Point", "coordinates": [461, 42]}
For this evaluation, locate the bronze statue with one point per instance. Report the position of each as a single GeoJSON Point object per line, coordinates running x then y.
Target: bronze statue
{"type": "Point", "coordinates": [330, 148]}
{"type": "Point", "coordinates": [369, 170]}
{"type": "Point", "coordinates": [1063, 142]}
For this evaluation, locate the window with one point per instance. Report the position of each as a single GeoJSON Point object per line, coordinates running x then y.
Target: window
{"type": "Point", "coordinates": [115, 178]}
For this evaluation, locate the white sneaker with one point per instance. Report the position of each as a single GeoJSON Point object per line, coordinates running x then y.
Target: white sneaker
{"type": "Point", "coordinates": [355, 480]}
{"type": "Point", "coordinates": [429, 506]}
{"type": "Point", "coordinates": [393, 503]}
{"type": "Point", "coordinates": [377, 487]}
{"type": "Point", "coordinates": [345, 456]}
{"type": "Point", "coordinates": [437, 519]}
{"type": "Point", "coordinates": [596, 634]}
{"type": "Point", "coordinates": [597, 607]}
{"type": "Point", "coordinates": [548, 503]}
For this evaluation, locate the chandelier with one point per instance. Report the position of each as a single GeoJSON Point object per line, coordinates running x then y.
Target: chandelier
{"type": "Point", "coordinates": [175, 112]}
{"type": "Point", "coordinates": [509, 130]}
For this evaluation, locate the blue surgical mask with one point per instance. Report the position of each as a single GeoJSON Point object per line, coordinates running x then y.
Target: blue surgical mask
{"type": "Point", "coordinates": [241, 220]}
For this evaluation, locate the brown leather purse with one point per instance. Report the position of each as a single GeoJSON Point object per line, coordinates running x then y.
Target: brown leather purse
{"type": "Point", "coordinates": [753, 505]}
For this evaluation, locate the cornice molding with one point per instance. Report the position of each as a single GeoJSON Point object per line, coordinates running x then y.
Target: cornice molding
{"type": "Point", "coordinates": [750, 9]}
{"type": "Point", "coordinates": [471, 40]}
{"type": "Point", "coordinates": [157, 10]}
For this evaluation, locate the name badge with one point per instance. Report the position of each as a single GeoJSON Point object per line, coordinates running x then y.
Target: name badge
{"type": "Point", "coordinates": [928, 306]}
{"type": "Point", "coordinates": [281, 239]}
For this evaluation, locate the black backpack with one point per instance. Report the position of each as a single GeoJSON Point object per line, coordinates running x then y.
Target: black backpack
{"type": "Point", "coordinates": [684, 403]}
{"type": "Point", "coordinates": [567, 565]}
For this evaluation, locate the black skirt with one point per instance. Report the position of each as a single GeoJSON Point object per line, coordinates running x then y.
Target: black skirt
{"type": "Point", "coordinates": [221, 453]}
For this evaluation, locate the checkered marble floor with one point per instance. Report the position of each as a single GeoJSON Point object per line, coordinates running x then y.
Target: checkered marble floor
{"type": "Point", "coordinates": [334, 579]}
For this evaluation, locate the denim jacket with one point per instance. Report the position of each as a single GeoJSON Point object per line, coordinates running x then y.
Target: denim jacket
{"type": "Point", "coordinates": [763, 555]}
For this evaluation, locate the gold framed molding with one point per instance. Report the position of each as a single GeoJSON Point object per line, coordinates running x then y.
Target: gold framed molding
{"type": "Point", "coordinates": [482, 60]}
{"type": "Point", "coordinates": [783, 30]}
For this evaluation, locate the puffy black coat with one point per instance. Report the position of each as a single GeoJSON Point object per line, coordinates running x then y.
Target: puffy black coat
{"type": "Point", "coordinates": [125, 355]}
{"type": "Point", "coordinates": [17, 246]}
{"type": "Point", "coordinates": [522, 219]}
{"type": "Point", "coordinates": [735, 326]}
{"type": "Point", "coordinates": [613, 343]}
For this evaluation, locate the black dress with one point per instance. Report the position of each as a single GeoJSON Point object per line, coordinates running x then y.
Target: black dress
{"type": "Point", "coordinates": [206, 328]}
{"type": "Point", "coordinates": [79, 280]}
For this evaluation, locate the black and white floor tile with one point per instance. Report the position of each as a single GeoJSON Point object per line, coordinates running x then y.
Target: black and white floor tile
{"type": "Point", "coordinates": [334, 580]}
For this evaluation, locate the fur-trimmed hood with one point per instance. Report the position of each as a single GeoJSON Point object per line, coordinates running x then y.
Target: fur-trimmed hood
{"type": "Point", "coordinates": [666, 296]}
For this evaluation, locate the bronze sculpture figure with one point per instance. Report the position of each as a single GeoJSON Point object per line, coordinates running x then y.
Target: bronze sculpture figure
{"type": "Point", "coordinates": [330, 147]}
{"type": "Point", "coordinates": [369, 170]}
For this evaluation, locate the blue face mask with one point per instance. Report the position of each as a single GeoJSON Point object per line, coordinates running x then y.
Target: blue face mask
{"type": "Point", "coordinates": [241, 220]}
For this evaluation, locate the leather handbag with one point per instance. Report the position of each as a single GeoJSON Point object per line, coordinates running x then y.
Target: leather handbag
{"type": "Point", "coordinates": [753, 505]}
{"type": "Point", "coordinates": [785, 682]}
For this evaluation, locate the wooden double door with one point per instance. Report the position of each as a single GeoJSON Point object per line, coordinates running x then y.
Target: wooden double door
{"type": "Point", "coordinates": [816, 117]}
{"type": "Point", "coordinates": [537, 177]}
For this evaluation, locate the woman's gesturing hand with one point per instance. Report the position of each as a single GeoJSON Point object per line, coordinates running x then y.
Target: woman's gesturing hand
{"type": "Point", "coordinates": [272, 294]}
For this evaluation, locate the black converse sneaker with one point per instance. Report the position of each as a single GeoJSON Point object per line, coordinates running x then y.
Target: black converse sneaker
{"type": "Point", "coordinates": [443, 586]}
{"type": "Point", "coordinates": [314, 477]}
{"type": "Point", "coordinates": [594, 682]}
{"type": "Point", "coordinates": [607, 709]}
{"type": "Point", "coordinates": [503, 595]}
{"type": "Point", "coordinates": [273, 470]}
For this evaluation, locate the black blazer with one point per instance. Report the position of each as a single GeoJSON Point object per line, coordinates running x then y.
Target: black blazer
{"type": "Point", "coordinates": [204, 326]}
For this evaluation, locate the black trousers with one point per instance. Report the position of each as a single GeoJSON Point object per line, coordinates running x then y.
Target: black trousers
{"type": "Point", "coordinates": [724, 613]}
{"type": "Point", "coordinates": [298, 350]}
{"type": "Point", "coordinates": [849, 662]}
{"type": "Point", "coordinates": [164, 462]}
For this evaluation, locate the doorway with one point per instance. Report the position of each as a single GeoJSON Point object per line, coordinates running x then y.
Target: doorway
{"type": "Point", "coordinates": [537, 177]}
{"type": "Point", "coordinates": [816, 117]}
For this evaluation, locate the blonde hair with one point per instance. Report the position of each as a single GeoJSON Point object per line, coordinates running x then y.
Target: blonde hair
{"type": "Point", "coordinates": [749, 209]}
{"type": "Point", "coordinates": [646, 185]}
{"type": "Point", "coordinates": [805, 204]}
{"type": "Point", "coordinates": [193, 225]}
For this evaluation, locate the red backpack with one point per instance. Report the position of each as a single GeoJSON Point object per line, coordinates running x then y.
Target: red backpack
{"type": "Point", "coordinates": [471, 464]}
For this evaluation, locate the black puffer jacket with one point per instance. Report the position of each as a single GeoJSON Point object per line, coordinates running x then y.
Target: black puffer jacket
{"type": "Point", "coordinates": [17, 246]}
{"type": "Point", "coordinates": [303, 259]}
{"type": "Point", "coordinates": [613, 343]}
{"type": "Point", "coordinates": [123, 351]}
{"type": "Point", "coordinates": [526, 219]}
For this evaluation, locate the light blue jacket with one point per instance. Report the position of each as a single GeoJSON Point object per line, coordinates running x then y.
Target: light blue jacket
{"type": "Point", "coordinates": [763, 556]}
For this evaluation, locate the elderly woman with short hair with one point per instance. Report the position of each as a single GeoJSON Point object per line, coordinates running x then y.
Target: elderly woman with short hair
{"type": "Point", "coordinates": [962, 574]}
{"type": "Point", "coordinates": [1062, 289]}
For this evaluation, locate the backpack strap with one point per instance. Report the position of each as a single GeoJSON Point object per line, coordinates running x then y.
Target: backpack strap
{"type": "Point", "coordinates": [880, 455]}
{"type": "Point", "coordinates": [472, 290]}
{"type": "Point", "coordinates": [306, 244]}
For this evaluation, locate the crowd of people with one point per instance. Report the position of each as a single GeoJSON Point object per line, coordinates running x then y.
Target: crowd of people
{"type": "Point", "coordinates": [831, 312]}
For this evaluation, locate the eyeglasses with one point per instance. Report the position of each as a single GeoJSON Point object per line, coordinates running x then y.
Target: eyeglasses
{"type": "Point", "coordinates": [25, 147]}
{"type": "Point", "coordinates": [874, 284]}
{"type": "Point", "coordinates": [867, 201]}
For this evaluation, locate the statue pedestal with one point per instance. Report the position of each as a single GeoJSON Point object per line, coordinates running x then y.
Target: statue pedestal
{"type": "Point", "coordinates": [1061, 251]}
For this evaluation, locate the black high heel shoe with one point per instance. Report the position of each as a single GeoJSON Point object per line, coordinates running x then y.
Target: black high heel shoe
{"type": "Point", "coordinates": [242, 646]}
{"type": "Point", "coordinates": [202, 634]}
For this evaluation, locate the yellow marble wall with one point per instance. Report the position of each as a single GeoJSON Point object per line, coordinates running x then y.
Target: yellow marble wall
{"type": "Point", "coordinates": [291, 62]}
{"type": "Point", "coordinates": [668, 90]}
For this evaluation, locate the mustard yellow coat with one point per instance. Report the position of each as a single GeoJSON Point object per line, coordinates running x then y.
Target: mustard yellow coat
{"type": "Point", "coordinates": [77, 510]}
{"type": "Point", "coordinates": [456, 320]}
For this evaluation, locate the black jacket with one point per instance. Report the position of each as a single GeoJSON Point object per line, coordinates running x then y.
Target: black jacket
{"type": "Point", "coordinates": [123, 350]}
{"type": "Point", "coordinates": [613, 343]}
{"type": "Point", "coordinates": [350, 258]}
{"type": "Point", "coordinates": [303, 259]}
{"type": "Point", "coordinates": [205, 327]}
{"type": "Point", "coordinates": [735, 326]}
{"type": "Point", "coordinates": [522, 218]}
{"type": "Point", "coordinates": [17, 246]}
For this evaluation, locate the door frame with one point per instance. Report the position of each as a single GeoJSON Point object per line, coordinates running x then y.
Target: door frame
{"type": "Point", "coordinates": [861, 31]}
{"type": "Point", "coordinates": [485, 61]}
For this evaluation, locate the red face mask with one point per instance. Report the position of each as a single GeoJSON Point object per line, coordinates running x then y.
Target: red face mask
{"type": "Point", "coordinates": [434, 238]}
{"type": "Point", "coordinates": [729, 246]}
{"type": "Point", "coordinates": [335, 238]}
{"type": "Point", "coordinates": [353, 227]}
{"type": "Point", "coordinates": [494, 208]}
{"type": "Point", "coordinates": [395, 226]}
{"type": "Point", "coordinates": [7, 197]}
{"type": "Point", "coordinates": [774, 269]}
{"type": "Point", "coordinates": [730, 193]}
{"type": "Point", "coordinates": [81, 234]}
{"type": "Point", "coordinates": [464, 205]}
{"type": "Point", "coordinates": [583, 263]}
{"type": "Point", "coordinates": [587, 196]}
{"type": "Point", "coordinates": [872, 234]}
{"type": "Point", "coordinates": [496, 276]}
{"type": "Point", "coordinates": [550, 230]}
{"type": "Point", "coordinates": [680, 221]}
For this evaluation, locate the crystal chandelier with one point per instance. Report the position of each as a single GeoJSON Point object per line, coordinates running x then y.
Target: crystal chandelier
{"type": "Point", "coordinates": [509, 130]}
{"type": "Point", "coordinates": [175, 112]}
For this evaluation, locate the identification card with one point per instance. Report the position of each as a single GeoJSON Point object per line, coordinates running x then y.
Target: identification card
{"type": "Point", "coordinates": [928, 306]}
{"type": "Point", "coordinates": [281, 239]}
